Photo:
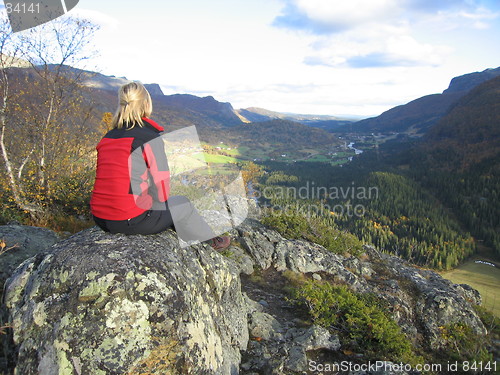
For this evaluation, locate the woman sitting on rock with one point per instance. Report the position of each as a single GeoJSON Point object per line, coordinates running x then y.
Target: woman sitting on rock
{"type": "Point", "coordinates": [130, 196]}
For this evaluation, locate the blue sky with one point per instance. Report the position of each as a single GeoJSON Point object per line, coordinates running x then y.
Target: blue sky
{"type": "Point", "coordinates": [356, 57]}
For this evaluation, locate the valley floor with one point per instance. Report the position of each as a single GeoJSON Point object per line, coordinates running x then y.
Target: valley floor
{"type": "Point", "coordinates": [483, 277]}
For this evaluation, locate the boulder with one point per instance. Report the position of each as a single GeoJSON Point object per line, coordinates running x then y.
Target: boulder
{"type": "Point", "coordinates": [25, 242]}
{"type": "Point", "coordinates": [98, 303]}
{"type": "Point", "coordinates": [21, 243]}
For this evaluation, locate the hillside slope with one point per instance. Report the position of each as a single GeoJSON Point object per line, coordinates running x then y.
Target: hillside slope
{"type": "Point", "coordinates": [207, 107]}
{"type": "Point", "coordinates": [421, 114]}
{"type": "Point", "coordinates": [176, 110]}
{"type": "Point", "coordinates": [288, 133]}
{"type": "Point", "coordinates": [470, 131]}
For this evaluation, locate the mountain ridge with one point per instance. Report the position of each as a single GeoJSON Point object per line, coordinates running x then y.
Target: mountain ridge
{"type": "Point", "coordinates": [469, 130]}
{"type": "Point", "coordinates": [415, 117]}
{"type": "Point", "coordinates": [419, 115]}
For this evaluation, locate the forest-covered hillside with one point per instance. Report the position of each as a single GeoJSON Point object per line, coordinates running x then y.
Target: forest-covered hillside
{"type": "Point", "coordinates": [436, 198]}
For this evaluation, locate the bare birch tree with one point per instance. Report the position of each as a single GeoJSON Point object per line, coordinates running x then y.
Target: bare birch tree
{"type": "Point", "coordinates": [42, 111]}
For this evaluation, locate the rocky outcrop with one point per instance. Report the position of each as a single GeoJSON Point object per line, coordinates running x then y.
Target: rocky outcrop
{"type": "Point", "coordinates": [112, 304]}
{"type": "Point", "coordinates": [23, 242]}
{"type": "Point", "coordinates": [421, 300]}
{"type": "Point", "coordinates": [98, 303]}
{"type": "Point", "coordinates": [20, 243]}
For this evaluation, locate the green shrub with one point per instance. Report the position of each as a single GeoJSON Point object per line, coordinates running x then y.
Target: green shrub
{"type": "Point", "coordinates": [317, 229]}
{"type": "Point", "coordinates": [290, 225]}
{"type": "Point", "coordinates": [462, 344]}
{"type": "Point", "coordinates": [358, 318]}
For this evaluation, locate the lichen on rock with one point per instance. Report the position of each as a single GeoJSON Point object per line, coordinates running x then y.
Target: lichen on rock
{"type": "Point", "coordinates": [80, 308]}
{"type": "Point", "coordinates": [98, 303]}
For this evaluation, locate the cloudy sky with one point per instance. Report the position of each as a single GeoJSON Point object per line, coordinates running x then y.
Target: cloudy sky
{"type": "Point", "coordinates": [337, 57]}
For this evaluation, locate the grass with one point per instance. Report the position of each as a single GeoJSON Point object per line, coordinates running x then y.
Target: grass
{"type": "Point", "coordinates": [218, 170]}
{"type": "Point", "coordinates": [320, 158]}
{"type": "Point", "coordinates": [218, 159]}
{"type": "Point", "coordinates": [254, 153]}
{"type": "Point", "coordinates": [339, 162]}
{"type": "Point", "coordinates": [266, 151]}
{"type": "Point", "coordinates": [484, 278]}
{"type": "Point", "coordinates": [233, 152]}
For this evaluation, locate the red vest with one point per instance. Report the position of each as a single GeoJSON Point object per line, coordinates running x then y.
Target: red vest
{"type": "Point", "coordinates": [118, 193]}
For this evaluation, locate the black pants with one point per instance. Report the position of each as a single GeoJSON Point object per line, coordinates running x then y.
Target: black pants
{"type": "Point", "coordinates": [189, 225]}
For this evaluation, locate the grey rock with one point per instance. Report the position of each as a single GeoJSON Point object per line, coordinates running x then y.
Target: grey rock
{"type": "Point", "coordinates": [304, 340]}
{"type": "Point", "coordinates": [26, 242]}
{"type": "Point", "coordinates": [267, 248]}
{"type": "Point", "coordinates": [98, 303]}
{"type": "Point", "coordinates": [264, 326]}
{"type": "Point", "coordinates": [287, 354]}
{"type": "Point", "coordinates": [316, 276]}
{"type": "Point", "coordinates": [358, 267]}
{"type": "Point", "coordinates": [103, 303]}
{"type": "Point", "coordinates": [242, 260]}
{"type": "Point", "coordinates": [421, 301]}
{"type": "Point", "coordinates": [259, 242]}
{"type": "Point", "coordinates": [438, 301]}
{"type": "Point", "coordinates": [264, 303]}
{"type": "Point", "coordinates": [317, 337]}
{"type": "Point", "coordinates": [469, 293]}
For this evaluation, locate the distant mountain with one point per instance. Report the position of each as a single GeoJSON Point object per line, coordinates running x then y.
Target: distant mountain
{"type": "Point", "coordinates": [100, 81]}
{"type": "Point", "coordinates": [175, 110]}
{"type": "Point", "coordinates": [421, 114]}
{"type": "Point", "coordinates": [221, 113]}
{"type": "Point", "coordinates": [326, 122]}
{"type": "Point", "coordinates": [470, 132]}
{"type": "Point", "coordinates": [112, 83]}
{"type": "Point", "coordinates": [255, 114]}
{"type": "Point", "coordinates": [14, 62]}
{"type": "Point", "coordinates": [178, 109]}
{"type": "Point", "coordinates": [468, 81]}
{"type": "Point", "coordinates": [154, 89]}
{"type": "Point", "coordinates": [184, 109]}
{"type": "Point", "coordinates": [457, 166]}
{"type": "Point", "coordinates": [459, 160]}
{"type": "Point", "coordinates": [216, 120]}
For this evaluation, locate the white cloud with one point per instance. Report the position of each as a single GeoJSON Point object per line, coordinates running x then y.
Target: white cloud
{"type": "Point", "coordinates": [346, 14]}
{"type": "Point", "coordinates": [479, 18]}
{"type": "Point", "coordinates": [379, 33]}
{"type": "Point", "coordinates": [375, 45]}
{"type": "Point", "coordinates": [329, 17]}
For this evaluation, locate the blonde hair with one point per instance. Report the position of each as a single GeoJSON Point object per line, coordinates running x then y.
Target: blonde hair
{"type": "Point", "coordinates": [134, 103]}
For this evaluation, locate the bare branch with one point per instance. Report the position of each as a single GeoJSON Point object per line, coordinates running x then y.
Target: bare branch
{"type": "Point", "coordinates": [47, 51]}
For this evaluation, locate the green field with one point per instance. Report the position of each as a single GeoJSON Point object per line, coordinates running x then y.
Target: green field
{"type": "Point", "coordinates": [484, 278]}
{"type": "Point", "coordinates": [218, 159]}
{"type": "Point", "coordinates": [222, 153]}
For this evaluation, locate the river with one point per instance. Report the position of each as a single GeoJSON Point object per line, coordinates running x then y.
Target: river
{"type": "Point", "coordinates": [357, 151]}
